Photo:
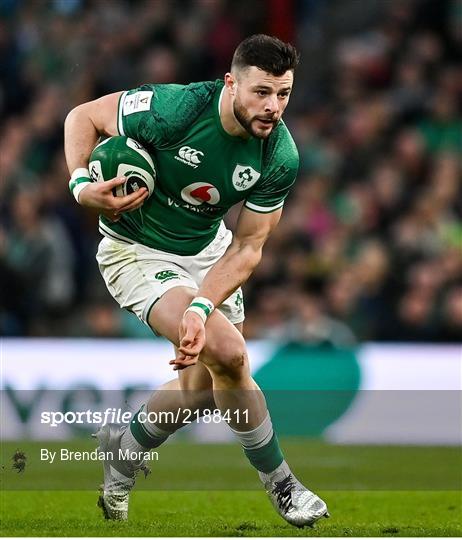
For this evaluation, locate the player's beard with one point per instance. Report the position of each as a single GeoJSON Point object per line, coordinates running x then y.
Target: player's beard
{"type": "Point", "coordinates": [246, 121]}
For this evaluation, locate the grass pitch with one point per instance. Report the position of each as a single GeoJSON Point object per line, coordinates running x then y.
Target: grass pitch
{"type": "Point", "coordinates": [209, 490]}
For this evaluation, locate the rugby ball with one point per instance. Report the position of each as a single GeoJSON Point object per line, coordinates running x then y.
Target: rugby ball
{"type": "Point", "coordinates": [122, 156]}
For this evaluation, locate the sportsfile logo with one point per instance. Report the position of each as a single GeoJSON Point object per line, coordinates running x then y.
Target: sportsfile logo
{"type": "Point", "coordinates": [189, 156]}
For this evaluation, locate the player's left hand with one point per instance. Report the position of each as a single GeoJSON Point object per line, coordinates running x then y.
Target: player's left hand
{"type": "Point", "coordinates": [192, 341]}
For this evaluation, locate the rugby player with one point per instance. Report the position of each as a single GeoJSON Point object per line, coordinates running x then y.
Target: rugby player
{"type": "Point", "coordinates": [170, 260]}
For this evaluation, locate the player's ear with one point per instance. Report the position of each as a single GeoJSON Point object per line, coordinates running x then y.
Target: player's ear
{"type": "Point", "coordinates": [230, 83]}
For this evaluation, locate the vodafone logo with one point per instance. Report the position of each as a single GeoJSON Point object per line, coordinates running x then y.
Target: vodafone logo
{"type": "Point", "coordinates": [189, 156]}
{"type": "Point", "coordinates": [200, 192]}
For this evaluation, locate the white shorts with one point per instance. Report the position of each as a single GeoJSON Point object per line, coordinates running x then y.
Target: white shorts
{"type": "Point", "coordinates": [137, 276]}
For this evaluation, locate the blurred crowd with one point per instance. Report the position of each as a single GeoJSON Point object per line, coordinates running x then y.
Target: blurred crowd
{"type": "Point", "coordinates": [370, 244]}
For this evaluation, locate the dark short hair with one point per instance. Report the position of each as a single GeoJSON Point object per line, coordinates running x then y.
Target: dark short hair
{"type": "Point", "coordinates": [267, 53]}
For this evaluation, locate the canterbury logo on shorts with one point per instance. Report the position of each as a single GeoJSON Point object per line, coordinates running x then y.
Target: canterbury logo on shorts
{"type": "Point", "coordinates": [166, 275]}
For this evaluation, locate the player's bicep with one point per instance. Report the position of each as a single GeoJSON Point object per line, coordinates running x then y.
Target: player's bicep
{"type": "Point", "coordinates": [103, 113]}
{"type": "Point", "coordinates": [253, 228]}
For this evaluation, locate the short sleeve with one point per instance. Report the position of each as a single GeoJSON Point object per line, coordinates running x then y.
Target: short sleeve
{"type": "Point", "coordinates": [269, 194]}
{"type": "Point", "coordinates": [156, 114]}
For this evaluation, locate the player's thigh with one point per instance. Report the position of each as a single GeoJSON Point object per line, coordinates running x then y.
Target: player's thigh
{"type": "Point", "coordinates": [166, 314]}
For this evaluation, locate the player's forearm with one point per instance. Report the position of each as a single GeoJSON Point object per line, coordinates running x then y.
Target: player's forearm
{"type": "Point", "coordinates": [80, 136]}
{"type": "Point", "coordinates": [229, 272]}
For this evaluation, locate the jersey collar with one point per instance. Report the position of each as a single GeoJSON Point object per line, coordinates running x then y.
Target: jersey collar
{"type": "Point", "coordinates": [217, 106]}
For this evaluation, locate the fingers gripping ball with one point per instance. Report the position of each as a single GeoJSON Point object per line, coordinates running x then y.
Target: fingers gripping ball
{"type": "Point", "coordinates": [122, 156]}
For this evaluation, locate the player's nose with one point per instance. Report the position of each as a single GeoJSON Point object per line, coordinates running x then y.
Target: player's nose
{"type": "Point", "coordinates": [271, 105]}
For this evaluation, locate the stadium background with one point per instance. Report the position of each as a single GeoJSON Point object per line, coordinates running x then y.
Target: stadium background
{"type": "Point", "coordinates": [369, 248]}
{"type": "Point", "coordinates": [355, 311]}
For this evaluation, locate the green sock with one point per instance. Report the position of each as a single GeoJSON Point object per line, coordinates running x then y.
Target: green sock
{"type": "Point", "coordinates": [267, 458]}
{"type": "Point", "coordinates": [261, 446]}
{"type": "Point", "coordinates": [146, 433]}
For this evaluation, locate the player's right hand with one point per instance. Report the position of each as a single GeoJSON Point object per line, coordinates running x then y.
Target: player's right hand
{"type": "Point", "coordinates": [192, 341]}
{"type": "Point", "coordinates": [99, 195]}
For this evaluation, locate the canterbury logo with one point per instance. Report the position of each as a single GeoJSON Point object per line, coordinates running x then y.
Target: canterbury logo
{"type": "Point", "coordinates": [189, 156]}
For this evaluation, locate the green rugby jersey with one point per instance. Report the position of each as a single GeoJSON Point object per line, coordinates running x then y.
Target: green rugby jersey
{"type": "Point", "coordinates": [201, 170]}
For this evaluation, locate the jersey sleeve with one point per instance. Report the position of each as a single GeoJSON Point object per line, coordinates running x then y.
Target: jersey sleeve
{"type": "Point", "coordinates": [269, 194]}
{"type": "Point", "coordinates": [157, 114]}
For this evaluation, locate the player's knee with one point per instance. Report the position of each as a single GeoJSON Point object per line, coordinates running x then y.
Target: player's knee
{"type": "Point", "coordinates": [226, 357]}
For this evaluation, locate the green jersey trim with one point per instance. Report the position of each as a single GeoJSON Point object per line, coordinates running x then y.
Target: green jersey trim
{"type": "Point", "coordinates": [120, 125]}
{"type": "Point", "coordinates": [263, 209]}
{"type": "Point", "coordinates": [106, 231]}
{"type": "Point", "coordinates": [220, 127]}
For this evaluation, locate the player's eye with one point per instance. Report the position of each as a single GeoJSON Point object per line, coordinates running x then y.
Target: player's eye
{"type": "Point", "coordinates": [262, 92]}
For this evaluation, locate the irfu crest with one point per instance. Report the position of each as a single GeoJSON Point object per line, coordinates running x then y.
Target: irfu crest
{"type": "Point", "coordinates": [244, 177]}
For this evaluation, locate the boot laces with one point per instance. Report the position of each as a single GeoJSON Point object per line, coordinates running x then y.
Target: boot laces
{"type": "Point", "coordinates": [283, 492]}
